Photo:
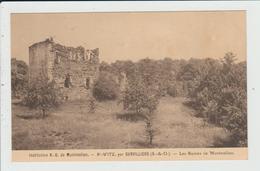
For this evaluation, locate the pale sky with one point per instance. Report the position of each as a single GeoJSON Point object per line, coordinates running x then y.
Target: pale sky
{"type": "Point", "coordinates": [133, 36]}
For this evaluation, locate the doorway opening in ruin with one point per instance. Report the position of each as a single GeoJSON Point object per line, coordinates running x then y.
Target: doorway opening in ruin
{"type": "Point", "coordinates": [68, 82]}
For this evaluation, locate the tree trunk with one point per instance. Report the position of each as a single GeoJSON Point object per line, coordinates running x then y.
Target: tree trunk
{"type": "Point", "coordinates": [149, 132]}
{"type": "Point", "coordinates": [151, 138]}
{"type": "Point", "coordinates": [43, 113]}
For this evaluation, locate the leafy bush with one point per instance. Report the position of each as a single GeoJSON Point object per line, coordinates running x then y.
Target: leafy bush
{"type": "Point", "coordinates": [105, 88]}
{"type": "Point", "coordinates": [237, 124]}
{"type": "Point", "coordinates": [42, 95]}
{"type": "Point", "coordinates": [19, 77]}
{"type": "Point", "coordinates": [220, 97]}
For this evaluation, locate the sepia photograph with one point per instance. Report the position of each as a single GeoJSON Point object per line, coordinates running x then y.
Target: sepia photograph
{"type": "Point", "coordinates": [129, 80]}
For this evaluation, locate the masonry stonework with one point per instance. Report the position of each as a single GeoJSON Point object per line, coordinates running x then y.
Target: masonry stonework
{"type": "Point", "coordinates": [74, 70]}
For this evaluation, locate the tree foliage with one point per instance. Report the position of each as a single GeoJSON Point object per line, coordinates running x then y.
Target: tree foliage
{"type": "Point", "coordinates": [106, 87]}
{"type": "Point", "coordinates": [19, 77]}
{"type": "Point", "coordinates": [220, 96]}
{"type": "Point", "coordinates": [142, 97]}
{"type": "Point", "coordinates": [42, 94]}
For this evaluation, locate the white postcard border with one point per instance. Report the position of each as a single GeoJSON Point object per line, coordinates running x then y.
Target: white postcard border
{"type": "Point", "coordinates": [253, 62]}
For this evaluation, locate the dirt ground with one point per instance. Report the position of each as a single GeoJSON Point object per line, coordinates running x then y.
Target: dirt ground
{"type": "Point", "coordinates": [71, 126]}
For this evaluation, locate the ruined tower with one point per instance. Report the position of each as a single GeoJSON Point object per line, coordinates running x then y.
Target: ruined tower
{"type": "Point", "coordinates": [74, 70]}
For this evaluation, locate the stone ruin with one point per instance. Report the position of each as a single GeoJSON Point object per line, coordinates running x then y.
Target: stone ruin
{"type": "Point", "coordinates": [74, 70]}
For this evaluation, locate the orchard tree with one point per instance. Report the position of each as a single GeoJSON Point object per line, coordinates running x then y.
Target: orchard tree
{"type": "Point", "coordinates": [142, 99]}
{"type": "Point", "coordinates": [42, 94]}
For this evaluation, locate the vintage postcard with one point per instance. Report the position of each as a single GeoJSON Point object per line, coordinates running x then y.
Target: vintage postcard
{"type": "Point", "coordinates": [129, 86]}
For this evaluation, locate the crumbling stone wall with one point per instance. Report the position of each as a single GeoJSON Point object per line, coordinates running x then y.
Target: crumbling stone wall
{"type": "Point", "coordinates": [58, 62]}
{"type": "Point", "coordinates": [75, 54]}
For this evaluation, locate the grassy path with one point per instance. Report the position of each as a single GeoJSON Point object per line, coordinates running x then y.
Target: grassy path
{"type": "Point", "coordinates": [179, 128]}
{"type": "Point", "coordinates": [72, 127]}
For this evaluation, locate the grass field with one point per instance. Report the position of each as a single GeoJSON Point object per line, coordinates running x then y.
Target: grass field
{"type": "Point", "coordinates": [72, 127]}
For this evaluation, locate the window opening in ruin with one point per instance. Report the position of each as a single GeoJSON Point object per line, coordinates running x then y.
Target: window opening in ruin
{"type": "Point", "coordinates": [57, 59]}
{"type": "Point", "coordinates": [68, 82]}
